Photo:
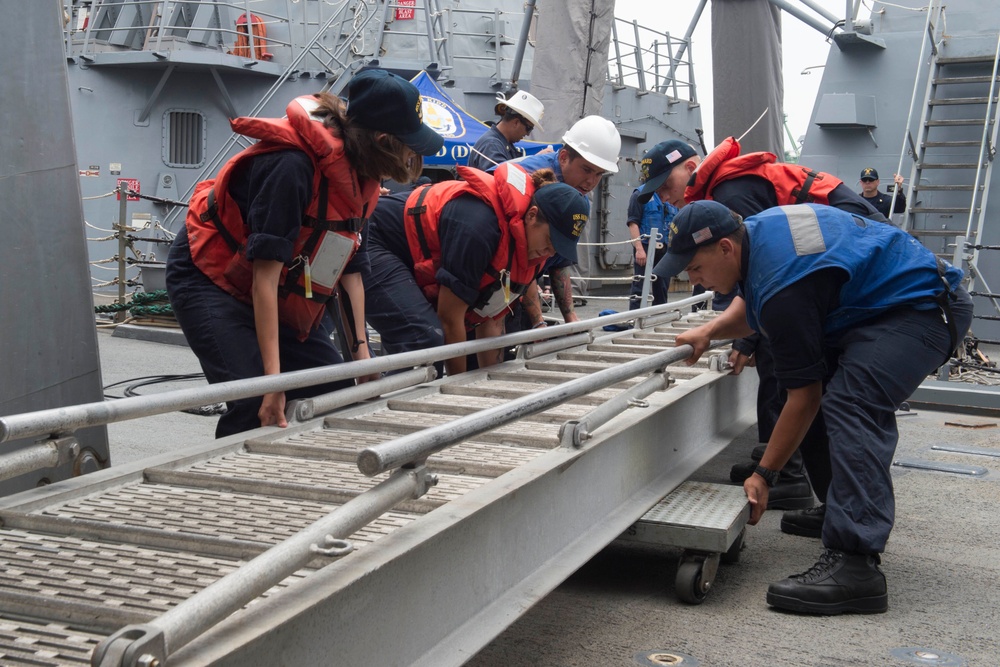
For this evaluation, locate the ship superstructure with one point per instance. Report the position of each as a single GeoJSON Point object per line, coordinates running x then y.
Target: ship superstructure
{"type": "Point", "coordinates": [153, 84]}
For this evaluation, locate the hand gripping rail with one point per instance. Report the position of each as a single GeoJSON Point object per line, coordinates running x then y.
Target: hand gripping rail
{"type": "Point", "coordinates": [150, 644]}
{"type": "Point", "coordinates": [65, 420]}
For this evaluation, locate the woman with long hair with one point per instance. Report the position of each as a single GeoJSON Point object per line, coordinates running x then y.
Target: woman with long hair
{"type": "Point", "coordinates": [270, 241]}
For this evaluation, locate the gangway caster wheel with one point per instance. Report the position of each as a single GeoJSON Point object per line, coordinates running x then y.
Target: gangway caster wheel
{"type": "Point", "coordinates": [695, 574]}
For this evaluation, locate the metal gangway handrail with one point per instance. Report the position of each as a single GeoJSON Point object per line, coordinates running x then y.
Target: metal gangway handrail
{"type": "Point", "coordinates": [62, 421]}
{"type": "Point", "coordinates": [159, 638]}
{"type": "Point", "coordinates": [416, 447]}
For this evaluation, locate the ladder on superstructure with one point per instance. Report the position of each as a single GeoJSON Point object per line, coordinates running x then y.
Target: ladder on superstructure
{"type": "Point", "coordinates": [953, 151]}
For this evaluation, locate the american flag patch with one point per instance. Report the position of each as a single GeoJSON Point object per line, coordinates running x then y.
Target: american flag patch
{"type": "Point", "coordinates": [702, 235]}
{"type": "Point", "coordinates": [673, 156]}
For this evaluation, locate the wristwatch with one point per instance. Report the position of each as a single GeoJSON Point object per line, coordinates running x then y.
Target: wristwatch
{"type": "Point", "coordinates": [770, 476]}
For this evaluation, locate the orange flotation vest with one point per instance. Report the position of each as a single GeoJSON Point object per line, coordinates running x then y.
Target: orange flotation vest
{"type": "Point", "coordinates": [793, 184]}
{"type": "Point", "coordinates": [330, 233]}
{"type": "Point", "coordinates": [508, 190]}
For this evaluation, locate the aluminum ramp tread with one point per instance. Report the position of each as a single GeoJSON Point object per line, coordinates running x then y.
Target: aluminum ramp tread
{"type": "Point", "coordinates": [445, 405]}
{"type": "Point", "coordinates": [471, 457]}
{"type": "Point", "coordinates": [209, 513]}
{"type": "Point", "coordinates": [336, 477]}
{"type": "Point", "coordinates": [509, 390]}
{"type": "Point", "coordinates": [25, 642]}
{"type": "Point", "coordinates": [72, 578]}
{"type": "Point", "coordinates": [529, 434]}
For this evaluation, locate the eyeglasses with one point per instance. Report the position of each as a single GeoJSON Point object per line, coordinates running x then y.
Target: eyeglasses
{"type": "Point", "coordinates": [528, 126]}
{"type": "Point", "coordinates": [868, 180]}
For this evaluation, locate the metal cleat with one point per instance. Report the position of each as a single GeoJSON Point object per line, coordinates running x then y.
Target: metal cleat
{"type": "Point", "coordinates": [719, 363]}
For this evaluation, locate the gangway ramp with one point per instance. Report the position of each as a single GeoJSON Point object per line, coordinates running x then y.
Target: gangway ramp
{"type": "Point", "coordinates": [424, 579]}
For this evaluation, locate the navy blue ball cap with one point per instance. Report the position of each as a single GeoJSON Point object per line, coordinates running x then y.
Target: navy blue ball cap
{"type": "Point", "coordinates": [566, 211]}
{"type": "Point", "coordinates": [382, 101]}
{"type": "Point", "coordinates": [869, 172]}
{"type": "Point", "coordinates": [658, 162]}
{"type": "Point", "coordinates": [697, 224]}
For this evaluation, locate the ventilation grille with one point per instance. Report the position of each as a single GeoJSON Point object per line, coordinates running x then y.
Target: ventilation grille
{"type": "Point", "coordinates": [183, 139]}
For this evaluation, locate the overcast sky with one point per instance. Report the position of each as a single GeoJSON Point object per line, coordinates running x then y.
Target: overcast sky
{"type": "Point", "coordinates": [807, 46]}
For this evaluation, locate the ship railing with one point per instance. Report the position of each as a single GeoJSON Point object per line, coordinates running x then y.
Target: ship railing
{"type": "Point", "coordinates": [59, 424]}
{"type": "Point", "coordinates": [440, 33]}
{"type": "Point", "coordinates": [650, 60]}
{"type": "Point", "coordinates": [155, 26]}
{"type": "Point", "coordinates": [640, 57]}
{"type": "Point", "coordinates": [494, 35]}
{"type": "Point", "coordinates": [150, 25]}
{"type": "Point", "coordinates": [405, 458]}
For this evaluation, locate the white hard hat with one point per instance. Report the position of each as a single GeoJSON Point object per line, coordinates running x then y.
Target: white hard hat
{"type": "Point", "coordinates": [524, 104]}
{"type": "Point", "coordinates": [596, 140]}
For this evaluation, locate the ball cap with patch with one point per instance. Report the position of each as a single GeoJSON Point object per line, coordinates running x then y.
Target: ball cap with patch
{"type": "Point", "coordinates": [869, 172]}
{"type": "Point", "coordinates": [658, 162]}
{"type": "Point", "coordinates": [382, 101]}
{"type": "Point", "coordinates": [566, 211]}
{"type": "Point", "coordinates": [697, 224]}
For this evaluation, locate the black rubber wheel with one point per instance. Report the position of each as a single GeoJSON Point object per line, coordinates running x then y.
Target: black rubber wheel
{"type": "Point", "coordinates": [688, 584]}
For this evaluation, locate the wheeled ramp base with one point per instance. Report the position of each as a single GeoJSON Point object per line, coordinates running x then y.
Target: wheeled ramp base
{"type": "Point", "coordinates": [708, 521]}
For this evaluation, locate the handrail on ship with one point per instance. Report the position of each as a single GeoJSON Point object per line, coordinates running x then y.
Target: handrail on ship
{"type": "Point", "coordinates": [64, 420]}
{"type": "Point", "coordinates": [176, 628]}
{"type": "Point", "coordinates": [416, 447]}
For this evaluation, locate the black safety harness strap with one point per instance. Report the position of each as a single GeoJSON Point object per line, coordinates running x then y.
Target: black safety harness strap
{"type": "Point", "coordinates": [802, 194]}
{"type": "Point", "coordinates": [416, 211]}
{"type": "Point", "coordinates": [212, 213]}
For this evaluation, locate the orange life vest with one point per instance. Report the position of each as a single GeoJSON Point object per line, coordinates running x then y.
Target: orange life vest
{"type": "Point", "coordinates": [508, 191]}
{"type": "Point", "coordinates": [793, 184]}
{"type": "Point", "coordinates": [330, 232]}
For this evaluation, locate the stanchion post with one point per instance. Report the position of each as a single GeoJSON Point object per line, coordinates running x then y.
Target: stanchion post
{"type": "Point", "coordinates": [647, 279]}
{"type": "Point", "coordinates": [122, 248]}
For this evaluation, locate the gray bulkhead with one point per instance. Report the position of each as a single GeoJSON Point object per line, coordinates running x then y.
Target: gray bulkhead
{"type": "Point", "coordinates": [911, 97]}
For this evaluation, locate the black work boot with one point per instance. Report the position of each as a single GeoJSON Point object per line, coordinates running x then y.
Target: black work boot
{"type": "Point", "coordinates": [839, 583]}
{"type": "Point", "coordinates": [793, 490]}
{"type": "Point", "coordinates": [807, 522]}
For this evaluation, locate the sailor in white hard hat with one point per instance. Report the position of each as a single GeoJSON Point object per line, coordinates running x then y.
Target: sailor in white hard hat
{"type": "Point", "coordinates": [590, 150]}
{"type": "Point", "coordinates": [519, 115]}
